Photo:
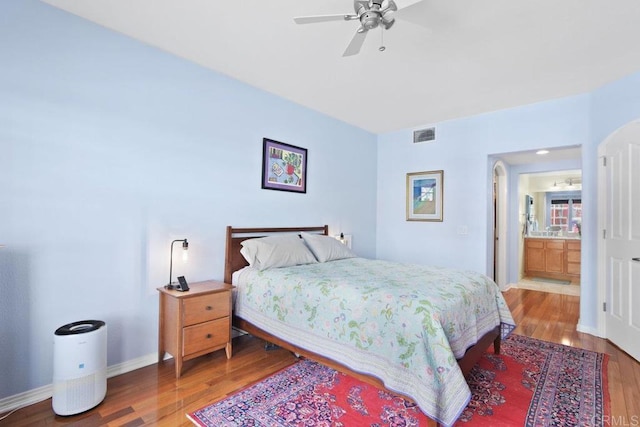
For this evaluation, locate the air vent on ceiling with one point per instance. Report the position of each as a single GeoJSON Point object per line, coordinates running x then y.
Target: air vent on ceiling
{"type": "Point", "coordinates": [424, 135]}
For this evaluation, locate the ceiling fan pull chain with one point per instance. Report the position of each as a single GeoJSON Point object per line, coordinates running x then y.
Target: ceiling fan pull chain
{"type": "Point", "coordinates": [382, 46]}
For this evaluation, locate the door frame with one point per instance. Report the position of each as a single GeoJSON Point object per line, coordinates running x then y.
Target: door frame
{"type": "Point", "coordinates": [500, 220]}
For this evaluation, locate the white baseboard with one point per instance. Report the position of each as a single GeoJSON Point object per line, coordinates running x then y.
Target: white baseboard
{"type": "Point", "coordinates": [45, 392]}
{"type": "Point", "coordinates": [132, 365]}
{"type": "Point", "coordinates": [505, 288]}
{"type": "Point", "coordinates": [588, 330]}
{"type": "Point", "coordinates": [26, 398]}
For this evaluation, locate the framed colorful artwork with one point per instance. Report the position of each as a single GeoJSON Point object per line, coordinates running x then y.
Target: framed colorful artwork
{"type": "Point", "coordinates": [284, 167]}
{"type": "Point", "coordinates": [425, 196]}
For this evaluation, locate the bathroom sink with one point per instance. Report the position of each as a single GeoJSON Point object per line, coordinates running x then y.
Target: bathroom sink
{"type": "Point", "coordinates": [553, 235]}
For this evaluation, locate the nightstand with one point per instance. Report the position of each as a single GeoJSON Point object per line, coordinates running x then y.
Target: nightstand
{"type": "Point", "coordinates": [195, 322]}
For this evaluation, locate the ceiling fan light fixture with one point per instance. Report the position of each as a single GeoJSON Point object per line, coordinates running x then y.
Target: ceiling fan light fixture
{"type": "Point", "coordinates": [387, 21]}
{"type": "Point", "coordinates": [370, 20]}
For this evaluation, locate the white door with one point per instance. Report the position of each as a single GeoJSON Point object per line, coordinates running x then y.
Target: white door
{"type": "Point", "coordinates": [622, 239]}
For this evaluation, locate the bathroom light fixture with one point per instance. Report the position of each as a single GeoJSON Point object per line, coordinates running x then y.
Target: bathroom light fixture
{"type": "Point", "coordinates": [542, 152]}
{"type": "Point", "coordinates": [185, 248]}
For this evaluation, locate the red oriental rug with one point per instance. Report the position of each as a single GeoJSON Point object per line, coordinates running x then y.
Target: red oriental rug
{"type": "Point", "coordinates": [531, 383]}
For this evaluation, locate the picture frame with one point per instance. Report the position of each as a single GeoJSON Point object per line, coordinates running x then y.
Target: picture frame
{"type": "Point", "coordinates": [425, 195]}
{"type": "Point", "coordinates": [284, 166]}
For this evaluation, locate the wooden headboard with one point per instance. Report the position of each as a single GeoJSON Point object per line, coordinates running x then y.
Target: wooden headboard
{"type": "Point", "coordinates": [233, 258]}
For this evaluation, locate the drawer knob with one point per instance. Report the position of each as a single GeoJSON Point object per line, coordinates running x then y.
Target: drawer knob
{"type": "Point", "coordinates": [209, 308]}
{"type": "Point", "coordinates": [208, 335]}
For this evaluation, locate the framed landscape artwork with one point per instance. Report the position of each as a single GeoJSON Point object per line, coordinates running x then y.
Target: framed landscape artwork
{"type": "Point", "coordinates": [424, 196]}
{"type": "Point", "coordinates": [284, 167]}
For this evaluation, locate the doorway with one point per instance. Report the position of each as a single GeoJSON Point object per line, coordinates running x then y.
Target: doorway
{"type": "Point", "coordinates": [550, 225]}
{"type": "Point", "coordinates": [509, 255]}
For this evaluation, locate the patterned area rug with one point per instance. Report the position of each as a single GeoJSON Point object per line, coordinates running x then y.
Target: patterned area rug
{"type": "Point", "coordinates": [531, 383]}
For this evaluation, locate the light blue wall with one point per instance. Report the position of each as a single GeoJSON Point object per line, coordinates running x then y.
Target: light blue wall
{"type": "Point", "coordinates": [109, 149]}
{"type": "Point", "coordinates": [462, 149]}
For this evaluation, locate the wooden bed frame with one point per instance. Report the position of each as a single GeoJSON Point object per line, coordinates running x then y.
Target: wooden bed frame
{"type": "Point", "coordinates": [235, 261]}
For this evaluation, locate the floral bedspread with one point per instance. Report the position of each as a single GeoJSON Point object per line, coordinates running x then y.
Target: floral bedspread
{"type": "Point", "coordinates": [403, 323]}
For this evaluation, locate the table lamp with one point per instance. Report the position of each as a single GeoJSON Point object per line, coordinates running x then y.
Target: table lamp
{"type": "Point", "coordinates": [185, 255]}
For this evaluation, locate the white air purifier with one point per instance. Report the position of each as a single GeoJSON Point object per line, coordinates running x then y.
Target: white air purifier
{"type": "Point", "coordinates": [79, 366]}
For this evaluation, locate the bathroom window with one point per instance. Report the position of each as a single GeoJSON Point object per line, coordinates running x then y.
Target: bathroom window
{"type": "Point", "coordinates": [559, 213]}
{"type": "Point", "coordinates": [564, 211]}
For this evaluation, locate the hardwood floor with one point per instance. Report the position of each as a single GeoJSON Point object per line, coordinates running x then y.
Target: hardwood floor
{"type": "Point", "coordinates": [553, 317]}
{"type": "Point", "coordinates": [151, 396]}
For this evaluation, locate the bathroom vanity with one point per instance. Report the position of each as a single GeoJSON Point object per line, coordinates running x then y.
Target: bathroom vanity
{"type": "Point", "coordinates": [552, 257]}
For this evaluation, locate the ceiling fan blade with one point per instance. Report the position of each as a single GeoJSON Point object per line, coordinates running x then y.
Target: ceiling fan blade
{"type": "Point", "coordinates": [356, 42]}
{"type": "Point", "coordinates": [323, 18]}
{"type": "Point", "coordinates": [391, 7]}
{"type": "Point", "coordinates": [360, 5]}
{"type": "Point", "coordinates": [401, 4]}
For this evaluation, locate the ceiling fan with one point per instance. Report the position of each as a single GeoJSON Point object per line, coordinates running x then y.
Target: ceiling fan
{"type": "Point", "coordinates": [370, 13]}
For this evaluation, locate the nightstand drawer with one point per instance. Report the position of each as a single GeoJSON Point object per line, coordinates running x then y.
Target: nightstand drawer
{"type": "Point", "coordinates": [206, 335]}
{"type": "Point", "coordinates": [205, 307]}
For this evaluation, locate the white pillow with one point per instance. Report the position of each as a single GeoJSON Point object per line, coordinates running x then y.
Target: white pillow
{"type": "Point", "coordinates": [327, 248]}
{"type": "Point", "coordinates": [276, 251]}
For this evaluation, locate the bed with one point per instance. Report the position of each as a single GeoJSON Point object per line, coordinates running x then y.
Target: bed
{"type": "Point", "coordinates": [415, 330]}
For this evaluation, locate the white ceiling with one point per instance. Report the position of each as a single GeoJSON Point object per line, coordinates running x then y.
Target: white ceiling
{"type": "Point", "coordinates": [446, 59]}
{"type": "Point", "coordinates": [567, 180]}
{"type": "Point", "coordinates": [552, 155]}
